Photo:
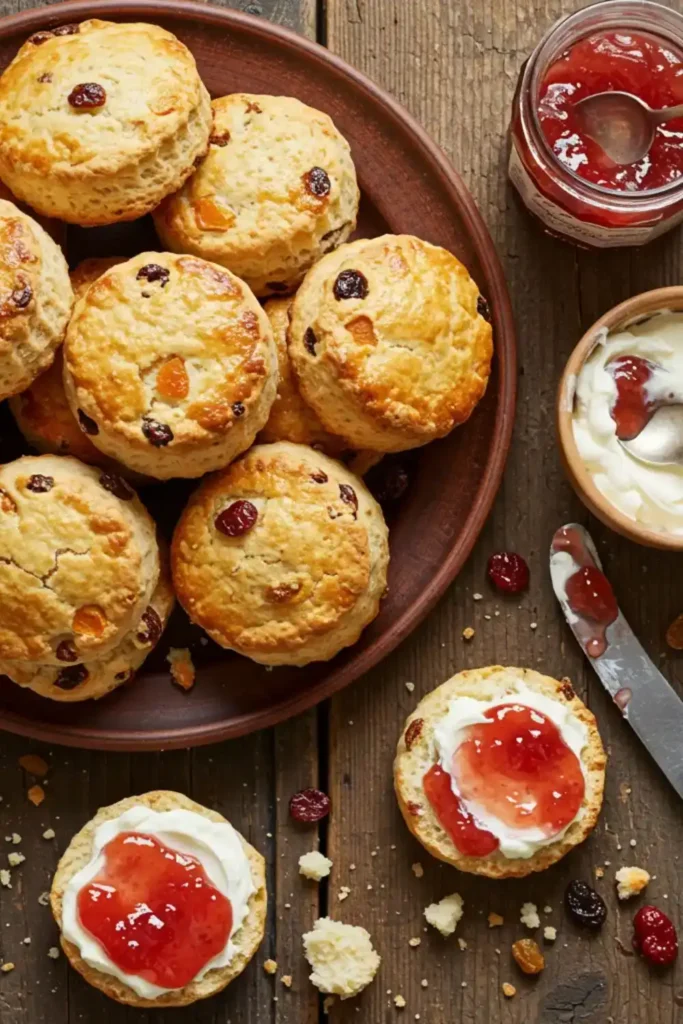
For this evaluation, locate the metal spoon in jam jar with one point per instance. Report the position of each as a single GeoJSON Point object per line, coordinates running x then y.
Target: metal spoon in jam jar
{"type": "Point", "coordinates": [622, 124]}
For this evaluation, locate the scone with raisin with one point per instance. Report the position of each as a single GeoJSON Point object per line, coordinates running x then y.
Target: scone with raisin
{"type": "Point", "coordinates": [171, 363]}
{"type": "Point", "coordinates": [282, 557]}
{"type": "Point", "coordinates": [79, 562]}
{"type": "Point", "coordinates": [100, 121]}
{"type": "Point", "coordinates": [277, 190]}
{"type": "Point", "coordinates": [36, 299]}
{"type": "Point", "coordinates": [388, 343]}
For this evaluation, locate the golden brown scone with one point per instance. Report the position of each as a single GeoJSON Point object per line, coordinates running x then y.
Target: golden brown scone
{"type": "Point", "coordinates": [88, 271]}
{"type": "Point", "coordinates": [100, 121]}
{"type": "Point", "coordinates": [56, 229]}
{"type": "Point", "coordinates": [308, 575]}
{"type": "Point", "coordinates": [416, 756]}
{"type": "Point", "coordinates": [171, 361]}
{"type": "Point", "coordinates": [247, 939]}
{"type": "Point", "coordinates": [387, 343]}
{"type": "Point", "coordinates": [36, 299]}
{"type": "Point", "coordinates": [79, 561]}
{"type": "Point", "coordinates": [77, 682]}
{"type": "Point", "coordinates": [277, 190]}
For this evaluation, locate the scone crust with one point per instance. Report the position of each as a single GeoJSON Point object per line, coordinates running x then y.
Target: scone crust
{"type": "Point", "coordinates": [127, 329]}
{"type": "Point", "coordinates": [247, 939]}
{"type": "Point", "coordinates": [77, 563]}
{"type": "Point", "coordinates": [36, 299]}
{"type": "Point", "coordinates": [251, 206]}
{"type": "Point", "coordinates": [411, 764]}
{"type": "Point", "coordinates": [89, 270]}
{"type": "Point", "coordinates": [115, 162]}
{"type": "Point", "coordinates": [401, 366]}
{"type": "Point", "coordinates": [305, 580]}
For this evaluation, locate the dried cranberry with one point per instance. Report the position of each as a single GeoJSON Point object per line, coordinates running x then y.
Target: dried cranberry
{"type": "Point", "coordinates": [87, 424]}
{"type": "Point", "coordinates": [38, 38]}
{"type": "Point", "coordinates": [349, 496]}
{"type": "Point", "coordinates": [310, 805]}
{"type": "Point", "coordinates": [317, 182]}
{"type": "Point", "coordinates": [277, 286]}
{"type": "Point", "coordinates": [158, 434]}
{"type": "Point", "coordinates": [70, 678]}
{"type": "Point", "coordinates": [66, 651]}
{"type": "Point", "coordinates": [483, 308]}
{"type": "Point", "coordinates": [310, 340]}
{"type": "Point", "coordinates": [351, 284]}
{"type": "Point", "coordinates": [150, 628]}
{"type": "Point", "coordinates": [237, 519]}
{"type": "Point", "coordinates": [585, 905]}
{"type": "Point", "coordinates": [117, 486]}
{"type": "Point", "coordinates": [40, 484]}
{"type": "Point", "coordinates": [388, 481]}
{"type": "Point", "coordinates": [508, 571]}
{"type": "Point", "coordinates": [66, 30]}
{"type": "Point", "coordinates": [21, 297]}
{"type": "Point", "coordinates": [654, 936]}
{"type": "Point", "coordinates": [413, 732]}
{"type": "Point", "coordinates": [220, 140]}
{"type": "Point", "coordinates": [238, 409]}
{"type": "Point", "coordinates": [87, 96]}
{"type": "Point", "coordinates": [319, 477]}
{"type": "Point", "coordinates": [153, 272]}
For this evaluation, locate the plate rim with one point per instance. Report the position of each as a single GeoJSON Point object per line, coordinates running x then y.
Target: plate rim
{"type": "Point", "coordinates": [506, 381]}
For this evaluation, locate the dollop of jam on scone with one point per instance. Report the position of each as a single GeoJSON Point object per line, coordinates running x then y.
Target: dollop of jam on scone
{"type": "Point", "coordinates": [500, 771]}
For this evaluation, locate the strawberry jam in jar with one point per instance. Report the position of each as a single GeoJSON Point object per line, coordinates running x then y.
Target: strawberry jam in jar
{"type": "Point", "coordinates": [565, 178]}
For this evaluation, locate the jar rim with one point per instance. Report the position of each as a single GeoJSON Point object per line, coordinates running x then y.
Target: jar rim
{"type": "Point", "coordinates": [643, 14]}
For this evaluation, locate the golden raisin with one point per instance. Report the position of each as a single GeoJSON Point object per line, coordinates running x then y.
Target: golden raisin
{"type": "Point", "coordinates": [7, 504]}
{"type": "Point", "coordinates": [362, 330]}
{"type": "Point", "coordinates": [211, 217]}
{"type": "Point", "coordinates": [674, 634]}
{"type": "Point", "coordinates": [89, 620]}
{"type": "Point", "coordinates": [172, 379]}
{"type": "Point", "coordinates": [34, 764]}
{"type": "Point", "coordinates": [528, 956]}
{"type": "Point", "coordinates": [36, 795]}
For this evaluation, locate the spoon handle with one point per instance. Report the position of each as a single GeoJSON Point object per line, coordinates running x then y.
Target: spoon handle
{"type": "Point", "coordinates": [667, 114]}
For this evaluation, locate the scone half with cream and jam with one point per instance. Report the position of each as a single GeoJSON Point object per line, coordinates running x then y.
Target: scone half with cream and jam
{"type": "Point", "coordinates": [141, 853]}
{"type": "Point", "coordinates": [500, 771]}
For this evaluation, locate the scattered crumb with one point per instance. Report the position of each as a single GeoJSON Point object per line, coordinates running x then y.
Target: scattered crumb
{"type": "Point", "coordinates": [445, 914]}
{"type": "Point", "coordinates": [463, 984]}
{"type": "Point", "coordinates": [314, 865]}
{"type": "Point", "coordinates": [547, 909]}
{"type": "Point", "coordinates": [15, 859]}
{"type": "Point", "coordinates": [399, 1002]}
{"type": "Point", "coordinates": [414, 942]}
{"type": "Point", "coordinates": [182, 667]}
{"type": "Point", "coordinates": [15, 838]}
{"type": "Point", "coordinates": [270, 966]}
{"type": "Point", "coordinates": [286, 980]}
{"type": "Point", "coordinates": [478, 597]}
{"type": "Point", "coordinates": [508, 990]}
{"type": "Point", "coordinates": [624, 792]}
{"type": "Point", "coordinates": [5, 878]}
{"type": "Point", "coordinates": [467, 633]}
{"type": "Point", "coordinates": [26, 941]}
{"type": "Point", "coordinates": [328, 1003]}
{"type": "Point", "coordinates": [34, 765]}
{"type": "Point", "coordinates": [631, 881]}
{"type": "Point", "coordinates": [36, 795]}
{"type": "Point", "coordinates": [342, 956]}
{"type": "Point", "coordinates": [424, 983]}
{"type": "Point", "coordinates": [529, 915]}
{"type": "Point", "coordinates": [632, 842]}
{"type": "Point", "coordinates": [53, 953]}
{"type": "Point", "coordinates": [44, 899]}
{"type": "Point", "coordinates": [410, 687]}
{"type": "Point", "coordinates": [343, 893]}
{"type": "Point", "coordinates": [599, 872]}
{"type": "Point", "coordinates": [533, 625]}
{"type": "Point", "coordinates": [6, 968]}
{"type": "Point", "coordinates": [549, 933]}
{"type": "Point", "coordinates": [49, 833]}
{"type": "Point", "coordinates": [462, 944]}
{"type": "Point", "coordinates": [418, 870]}
{"type": "Point", "coordinates": [495, 920]}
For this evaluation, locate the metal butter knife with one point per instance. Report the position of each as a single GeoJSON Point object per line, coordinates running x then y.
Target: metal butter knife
{"type": "Point", "coordinates": [645, 698]}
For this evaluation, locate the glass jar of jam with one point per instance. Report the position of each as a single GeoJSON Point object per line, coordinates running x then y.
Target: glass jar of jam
{"type": "Point", "coordinates": [563, 177]}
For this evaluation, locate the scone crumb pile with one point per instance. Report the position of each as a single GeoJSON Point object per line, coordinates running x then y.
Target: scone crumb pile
{"type": "Point", "coordinates": [529, 915]}
{"type": "Point", "coordinates": [343, 959]}
{"type": "Point", "coordinates": [314, 865]}
{"type": "Point", "coordinates": [445, 915]}
{"type": "Point", "coordinates": [631, 881]}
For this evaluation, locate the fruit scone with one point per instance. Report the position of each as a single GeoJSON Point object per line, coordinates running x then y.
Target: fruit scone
{"type": "Point", "coordinates": [83, 595]}
{"type": "Point", "coordinates": [160, 901]}
{"type": "Point", "coordinates": [389, 341]}
{"type": "Point", "coordinates": [276, 191]}
{"type": "Point", "coordinates": [99, 121]}
{"type": "Point", "coordinates": [36, 299]}
{"type": "Point", "coordinates": [282, 557]}
{"type": "Point", "coordinates": [170, 365]}
{"type": "Point", "coordinates": [500, 771]}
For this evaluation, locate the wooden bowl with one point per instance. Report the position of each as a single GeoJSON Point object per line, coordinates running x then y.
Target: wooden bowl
{"type": "Point", "coordinates": [408, 186]}
{"type": "Point", "coordinates": [619, 317]}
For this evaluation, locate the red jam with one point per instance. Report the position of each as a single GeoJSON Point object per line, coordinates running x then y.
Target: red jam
{"type": "Point", "coordinates": [154, 911]}
{"type": "Point", "coordinates": [643, 65]}
{"type": "Point", "coordinates": [589, 593]}
{"type": "Point", "coordinates": [633, 406]}
{"type": "Point", "coordinates": [518, 768]}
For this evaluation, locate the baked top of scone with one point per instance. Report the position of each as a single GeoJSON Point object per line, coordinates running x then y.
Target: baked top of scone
{"type": "Point", "coordinates": [175, 813]}
{"type": "Point", "coordinates": [577, 766]}
{"type": "Point", "coordinates": [387, 342]}
{"type": "Point", "coordinates": [78, 563]}
{"type": "Point", "coordinates": [88, 271]}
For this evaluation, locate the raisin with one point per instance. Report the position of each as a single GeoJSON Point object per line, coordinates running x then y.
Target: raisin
{"type": "Point", "coordinates": [21, 297]}
{"type": "Point", "coordinates": [153, 272]}
{"type": "Point", "coordinates": [125, 676]}
{"type": "Point", "coordinates": [7, 502]}
{"type": "Point", "coordinates": [237, 409]}
{"type": "Point", "coordinates": [414, 808]}
{"type": "Point", "coordinates": [283, 592]}
{"type": "Point", "coordinates": [654, 936]}
{"type": "Point", "coordinates": [309, 806]}
{"type": "Point", "coordinates": [508, 572]}
{"type": "Point", "coordinates": [150, 628]}
{"type": "Point", "coordinates": [674, 634]}
{"type": "Point", "coordinates": [277, 286]}
{"type": "Point", "coordinates": [66, 651]}
{"type": "Point", "coordinates": [38, 38]}
{"type": "Point", "coordinates": [87, 96]}
{"type": "Point", "coordinates": [117, 486]}
{"type": "Point", "coordinates": [319, 477]}
{"type": "Point", "coordinates": [70, 678]}
{"type": "Point", "coordinates": [310, 340]}
{"type": "Point", "coordinates": [66, 30]}
{"type": "Point", "coordinates": [87, 424]}
{"type": "Point", "coordinates": [317, 182]}
{"type": "Point", "coordinates": [40, 484]}
{"type": "Point", "coordinates": [253, 108]}
{"type": "Point", "coordinates": [237, 519]}
{"type": "Point", "coordinates": [158, 434]}
{"type": "Point", "coordinates": [47, 77]}
{"type": "Point", "coordinates": [528, 956]}
{"type": "Point", "coordinates": [388, 481]}
{"type": "Point", "coordinates": [220, 140]}
{"type": "Point", "coordinates": [351, 284]}
{"type": "Point", "coordinates": [349, 496]}
{"type": "Point", "coordinates": [567, 689]}
{"type": "Point", "coordinates": [483, 308]}
{"type": "Point", "coordinates": [585, 905]}
{"type": "Point", "coordinates": [413, 732]}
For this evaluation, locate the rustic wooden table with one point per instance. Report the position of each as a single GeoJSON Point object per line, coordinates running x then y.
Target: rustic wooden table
{"type": "Point", "coordinates": [454, 64]}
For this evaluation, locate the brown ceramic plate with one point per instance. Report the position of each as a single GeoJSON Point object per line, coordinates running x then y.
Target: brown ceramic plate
{"type": "Point", "coordinates": [408, 186]}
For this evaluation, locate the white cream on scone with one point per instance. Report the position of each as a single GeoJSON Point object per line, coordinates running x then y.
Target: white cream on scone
{"type": "Point", "coordinates": [216, 845]}
{"type": "Point", "coordinates": [451, 732]}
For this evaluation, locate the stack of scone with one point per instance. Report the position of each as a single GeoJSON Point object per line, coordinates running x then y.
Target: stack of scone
{"type": "Point", "coordinates": [166, 364]}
